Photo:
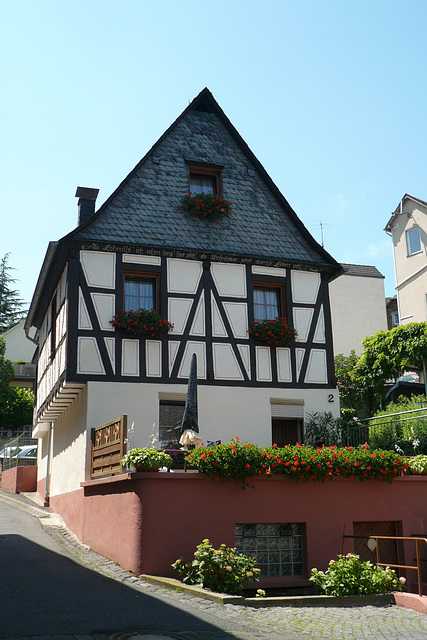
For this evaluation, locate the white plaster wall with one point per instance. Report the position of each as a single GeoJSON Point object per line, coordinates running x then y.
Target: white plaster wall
{"type": "Point", "coordinates": [70, 449]}
{"type": "Point", "coordinates": [230, 279]}
{"type": "Point", "coordinates": [48, 371]}
{"type": "Point", "coordinates": [411, 271]}
{"type": "Point", "coordinates": [99, 268]}
{"type": "Point", "coordinates": [18, 347]}
{"type": "Point", "coordinates": [412, 299]}
{"type": "Point", "coordinates": [357, 309]}
{"type": "Point", "coordinates": [305, 286]}
{"type": "Point", "coordinates": [183, 275]}
{"type": "Point", "coordinates": [224, 412]}
{"type": "Point", "coordinates": [406, 265]}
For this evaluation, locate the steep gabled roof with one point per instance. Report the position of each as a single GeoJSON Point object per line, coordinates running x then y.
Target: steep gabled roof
{"type": "Point", "coordinates": [143, 211]}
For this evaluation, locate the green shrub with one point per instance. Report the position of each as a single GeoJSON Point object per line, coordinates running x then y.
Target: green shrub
{"type": "Point", "coordinates": [408, 433]}
{"type": "Point", "coordinates": [349, 576]}
{"type": "Point", "coordinates": [146, 458]}
{"type": "Point", "coordinates": [223, 570]}
{"type": "Point", "coordinates": [418, 464]}
{"type": "Point", "coordinates": [244, 461]}
{"type": "Point", "coordinates": [321, 427]}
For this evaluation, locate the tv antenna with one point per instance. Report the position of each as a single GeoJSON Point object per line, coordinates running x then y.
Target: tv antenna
{"type": "Point", "coordinates": [322, 224]}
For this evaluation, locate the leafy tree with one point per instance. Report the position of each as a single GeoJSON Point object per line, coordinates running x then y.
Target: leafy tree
{"type": "Point", "coordinates": [11, 305]}
{"type": "Point", "coordinates": [7, 370]}
{"type": "Point", "coordinates": [16, 403]}
{"type": "Point", "coordinates": [352, 393]}
{"type": "Point", "coordinates": [387, 355]}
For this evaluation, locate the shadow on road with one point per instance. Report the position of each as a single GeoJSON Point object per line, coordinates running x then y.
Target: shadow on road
{"type": "Point", "coordinates": [46, 593]}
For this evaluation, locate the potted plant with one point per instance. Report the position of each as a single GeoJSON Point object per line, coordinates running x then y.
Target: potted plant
{"type": "Point", "coordinates": [146, 459]}
{"type": "Point", "coordinates": [418, 465]}
{"type": "Point", "coordinates": [142, 322]}
{"type": "Point", "coordinates": [276, 332]}
{"type": "Point", "coordinates": [206, 205]}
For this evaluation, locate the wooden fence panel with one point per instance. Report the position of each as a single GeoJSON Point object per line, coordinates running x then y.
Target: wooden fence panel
{"type": "Point", "coordinates": [108, 448]}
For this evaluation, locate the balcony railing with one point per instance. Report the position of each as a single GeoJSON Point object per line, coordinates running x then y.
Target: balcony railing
{"type": "Point", "coordinates": [25, 370]}
{"type": "Point", "coordinates": [404, 432]}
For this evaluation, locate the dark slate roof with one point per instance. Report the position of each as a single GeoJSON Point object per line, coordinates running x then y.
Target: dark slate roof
{"type": "Point", "coordinates": [143, 210]}
{"type": "Point", "coordinates": [363, 270]}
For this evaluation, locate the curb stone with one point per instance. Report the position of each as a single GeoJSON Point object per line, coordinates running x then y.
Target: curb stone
{"type": "Point", "coordinates": [280, 601]}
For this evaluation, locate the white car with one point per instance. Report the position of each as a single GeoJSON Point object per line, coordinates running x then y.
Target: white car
{"type": "Point", "coordinates": [24, 452]}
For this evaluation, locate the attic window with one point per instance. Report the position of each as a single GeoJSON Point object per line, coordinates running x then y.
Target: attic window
{"type": "Point", "coordinates": [204, 179]}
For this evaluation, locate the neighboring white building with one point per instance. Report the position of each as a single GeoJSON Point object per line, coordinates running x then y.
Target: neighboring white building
{"type": "Point", "coordinates": [20, 351]}
{"type": "Point", "coordinates": [358, 307]}
{"type": "Point", "coordinates": [408, 230]}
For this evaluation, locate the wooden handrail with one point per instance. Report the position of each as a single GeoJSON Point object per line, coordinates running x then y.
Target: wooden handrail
{"type": "Point", "coordinates": [402, 566]}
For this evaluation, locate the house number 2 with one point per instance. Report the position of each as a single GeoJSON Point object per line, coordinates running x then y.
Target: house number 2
{"type": "Point", "coordinates": [331, 397]}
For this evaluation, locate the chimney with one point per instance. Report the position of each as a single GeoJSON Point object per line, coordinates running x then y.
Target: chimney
{"type": "Point", "coordinates": [86, 203]}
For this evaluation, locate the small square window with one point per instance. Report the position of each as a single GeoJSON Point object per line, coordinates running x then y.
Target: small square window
{"type": "Point", "coordinates": [268, 301]}
{"type": "Point", "coordinates": [413, 241]}
{"type": "Point", "coordinates": [140, 291]}
{"type": "Point", "coordinates": [202, 184]}
{"type": "Point", "coordinates": [204, 179]}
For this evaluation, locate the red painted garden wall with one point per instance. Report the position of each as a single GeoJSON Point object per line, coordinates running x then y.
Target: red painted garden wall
{"type": "Point", "coordinates": [19, 479]}
{"type": "Point", "coordinates": [145, 521]}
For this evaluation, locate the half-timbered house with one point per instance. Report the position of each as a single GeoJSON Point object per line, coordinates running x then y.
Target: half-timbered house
{"type": "Point", "coordinates": [210, 278]}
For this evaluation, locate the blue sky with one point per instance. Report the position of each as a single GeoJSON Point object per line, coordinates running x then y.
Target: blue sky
{"type": "Point", "coordinates": [329, 95]}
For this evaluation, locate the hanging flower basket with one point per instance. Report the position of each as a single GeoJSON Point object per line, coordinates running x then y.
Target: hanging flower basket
{"type": "Point", "coordinates": [276, 332]}
{"type": "Point", "coordinates": [142, 322]}
{"type": "Point", "coordinates": [206, 205]}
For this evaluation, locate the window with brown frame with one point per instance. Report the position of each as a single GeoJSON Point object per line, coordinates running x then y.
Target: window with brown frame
{"type": "Point", "coordinates": [141, 291]}
{"type": "Point", "coordinates": [204, 179]}
{"type": "Point", "coordinates": [268, 301]}
{"type": "Point", "coordinates": [170, 418]}
{"type": "Point", "coordinates": [287, 431]}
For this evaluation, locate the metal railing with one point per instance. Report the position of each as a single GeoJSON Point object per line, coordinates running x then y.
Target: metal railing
{"type": "Point", "coordinates": [417, 567]}
{"type": "Point", "coordinates": [405, 432]}
{"type": "Point", "coordinates": [24, 370]}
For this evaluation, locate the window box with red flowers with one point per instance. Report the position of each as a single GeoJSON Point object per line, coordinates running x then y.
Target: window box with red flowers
{"type": "Point", "coordinates": [275, 332]}
{"type": "Point", "coordinates": [142, 323]}
{"type": "Point", "coordinates": [206, 205]}
{"type": "Point", "coordinates": [245, 461]}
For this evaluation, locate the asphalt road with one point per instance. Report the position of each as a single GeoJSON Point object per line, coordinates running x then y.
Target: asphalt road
{"type": "Point", "coordinates": [43, 592]}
